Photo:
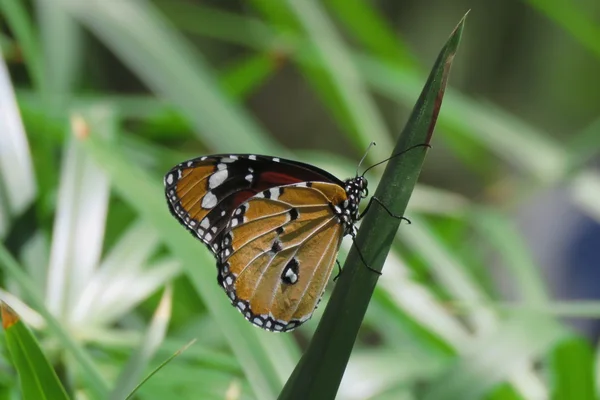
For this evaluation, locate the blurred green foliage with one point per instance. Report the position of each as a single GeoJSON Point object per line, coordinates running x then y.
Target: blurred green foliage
{"type": "Point", "coordinates": [99, 98]}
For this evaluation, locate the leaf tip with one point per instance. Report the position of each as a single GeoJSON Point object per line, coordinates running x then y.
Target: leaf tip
{"type": "Point", "coordinates": [9, 316]}
{"type": "Point", "coordinates": [79, 127]}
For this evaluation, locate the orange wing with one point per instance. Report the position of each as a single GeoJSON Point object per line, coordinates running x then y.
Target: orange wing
{"type": "Point", "coordinates": [278, 252]}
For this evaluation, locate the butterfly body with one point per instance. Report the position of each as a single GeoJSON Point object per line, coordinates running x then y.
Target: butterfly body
{"type": "Point", "coordinates": [274, 226]}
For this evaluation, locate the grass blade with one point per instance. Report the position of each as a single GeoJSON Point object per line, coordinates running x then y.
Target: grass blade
{"type": "Point", "coordinates": [365, 22]}
{"type": "Point", "coordinates": [78, 231]}
{"type": "Point", "coordinates": [577, 22]}
{"type": "Point", "coordinates": [142, 355]}
{"type": "Point", "coordinates": [163, 364]}
{"type": "Point", "coordinates": [320, 370]}
{"type": "Point", "coordinates": [96, 384]}
{"type": "Point", "coordinates": [499, 356]}
{"type": "Point", "coordinates": [16, 168]}
{"type": "Point", "coordinates": [573, 370]}
{"type": "Point", "coordinates": [15, 14]}
{"type": "Point", "coordinates": [36, 375]}
{"type": "Point", "coordinates": [336, 61]}
{"type": "Point", "coordinates": [137, 33]}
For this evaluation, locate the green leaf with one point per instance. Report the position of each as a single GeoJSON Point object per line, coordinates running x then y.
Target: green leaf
{"type": "Point", "coordinates": [500, 355]}
{"type": "Point", "coordinates": [368, 26]}
{"type": "Point", "coordinates": [36, 376]}
{"type": "Point", "coordinates": [15, 14]}
{"type": "Point", "coordinates": [139, 35]}
{"type": "Point", "coordinates": [320, 370]}
{"type": "Point", "coordinates": [95, 381]}
{"type": "Point", "coordinates": [148, 346]}
{"type": "Point", "coordinates": [572, 364]}
{"type": "Point", "coordinates": [327, 65]}
{"type": "Point", "coordinates": [577, 22]}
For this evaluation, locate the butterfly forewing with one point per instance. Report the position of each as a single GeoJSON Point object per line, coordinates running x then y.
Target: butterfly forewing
{"type": "Point", "coordinates": [202, 193]}
{"type": "Point", "coordinates": [278, 253]}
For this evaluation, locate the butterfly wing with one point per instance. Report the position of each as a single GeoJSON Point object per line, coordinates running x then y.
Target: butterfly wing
{"type": "Point", "coordinates": [203, 193]}
{"type": "Point", "coordinates": [278, 251]}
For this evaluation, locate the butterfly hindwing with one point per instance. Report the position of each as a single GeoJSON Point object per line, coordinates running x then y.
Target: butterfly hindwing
{"type": "Point", "coordinates": [278, 252]}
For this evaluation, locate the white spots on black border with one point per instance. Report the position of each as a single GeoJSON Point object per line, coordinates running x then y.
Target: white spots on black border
{"type": "Point", "coordinates": [275, 192]}
{"type": "Point", "coordinates": [252, 157]}
{"type": "Point", "coordinates": [217, 178]}
{"type": "Point", "coordinates": [249, 177]}
{"type": "Point", "coordinates": [208, 237]}
{"type": "Point", "coordinates": [275, 159]}
{"type": "Point", "coordinates": [205, 223]}
{"type": "Point", "coordinates": [169, 179]}
{"type": "Point", "coordinates": [209, 200]}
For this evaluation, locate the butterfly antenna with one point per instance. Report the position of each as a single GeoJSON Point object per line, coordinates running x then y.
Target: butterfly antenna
{"type": "Point", "coordinates": [396, 155]}
{"type": "Point", "coordinates": [364, 156]}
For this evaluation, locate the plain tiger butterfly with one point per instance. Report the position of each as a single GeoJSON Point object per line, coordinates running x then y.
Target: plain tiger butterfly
{"type": "Point", "coordinates": [274, 226]}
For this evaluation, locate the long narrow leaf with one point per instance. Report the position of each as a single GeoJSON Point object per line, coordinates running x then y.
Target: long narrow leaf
{"type": "Point", "coordinates": [38, 379]}
{"type": "Point", "coordinates": [320, 370]}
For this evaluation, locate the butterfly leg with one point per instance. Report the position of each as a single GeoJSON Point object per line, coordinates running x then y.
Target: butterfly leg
{"type": "Point", "coordinates": [384, 207]}
{"type": "Point", "coordinates": [339, 270]}
{"type": "Point", "coordinates": [361, 256]}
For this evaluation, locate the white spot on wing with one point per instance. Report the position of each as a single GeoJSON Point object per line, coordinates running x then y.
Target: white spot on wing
{"type": "Point", "coordinates": [217, 178]}
{"type": "Point", "coordinates": [274, 193]}
{"type": "Point", "coordinates": [205, 223]}
{"type": "Point", "coordinates": [169, 179]}
{"type": "Point", "coordinates": [208, 237]}
{"type": "Point", "coordinates": [252, 157]}
{"type": "Point", "coordinates": [248, 177]}
{"type": "Point", "coordinates": [276, 159]}
{"type": "Point", "coordinates": [209, 200]}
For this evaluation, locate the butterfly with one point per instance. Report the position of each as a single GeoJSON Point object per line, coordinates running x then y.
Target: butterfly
{"type": "Point", "coordinates": [274, 226]}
